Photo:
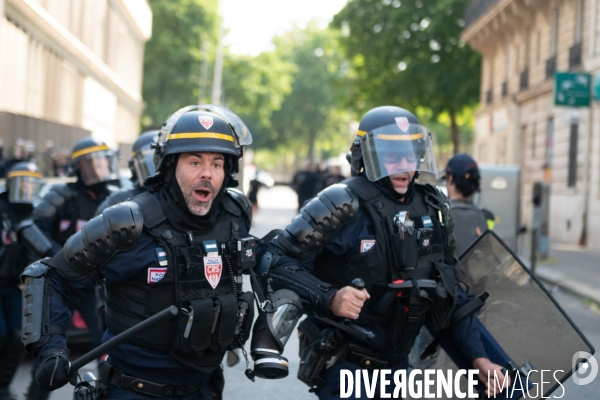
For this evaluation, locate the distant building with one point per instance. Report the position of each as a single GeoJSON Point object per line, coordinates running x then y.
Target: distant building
{"type": "Point", "coordinates": [523, 43]}
{"type": "Point", "coordinates": [71, 68]}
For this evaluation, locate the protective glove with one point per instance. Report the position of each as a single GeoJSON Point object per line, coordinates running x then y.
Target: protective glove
{"type": "Point", "coordinates": [55, 370]}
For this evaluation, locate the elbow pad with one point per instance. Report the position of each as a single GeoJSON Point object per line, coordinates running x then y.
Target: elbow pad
{"type": "Point", "coordinates": [116, 229]}
{"type": "Point", "coordinates": [315, 294]}
{"type": "Point", "coordinates": [29, 234]}
{"type": "Point", "coordinates": [319, 221]}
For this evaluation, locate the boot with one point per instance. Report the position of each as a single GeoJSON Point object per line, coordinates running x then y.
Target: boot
{"type": "Point", "coordinates": [11, 353]}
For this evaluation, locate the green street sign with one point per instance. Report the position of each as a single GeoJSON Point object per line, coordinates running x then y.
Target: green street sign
{"type": "Point", "coordinates": [572, 89]}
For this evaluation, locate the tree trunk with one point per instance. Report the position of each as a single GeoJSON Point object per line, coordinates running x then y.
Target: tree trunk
{"type": "Point", "coordinates": [454, 133]}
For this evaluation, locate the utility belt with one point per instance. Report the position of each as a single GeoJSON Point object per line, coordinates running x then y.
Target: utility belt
{"type": "Point", "coordinates": [110, 375]}
{"type": "Point", "coordinates": [320, 348]}
{"type": "Point", "coordinates": [213, 323]}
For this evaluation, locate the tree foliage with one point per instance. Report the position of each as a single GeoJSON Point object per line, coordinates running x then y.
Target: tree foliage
{"type": "Point", "coordinates": [173, 56]}
{"type": "Point", "coordinates": [409, 53]}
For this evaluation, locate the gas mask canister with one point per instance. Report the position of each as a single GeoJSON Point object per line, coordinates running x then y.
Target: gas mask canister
{"type": "Point", "coordinates": [273, 327]}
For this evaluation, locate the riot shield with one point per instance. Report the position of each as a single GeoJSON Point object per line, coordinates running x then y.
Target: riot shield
{"type": "Point", "coordinates": [523, 328]}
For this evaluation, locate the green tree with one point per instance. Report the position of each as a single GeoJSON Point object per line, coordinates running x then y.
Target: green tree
{"type": "Point", "coordinates": [173, 56]}
{"type": "Point", "coordinates": [309, 116]}
{"type": "Point", "coordinates": [254, 88]}
{"type": "Point", "coordinates": [409, 53]}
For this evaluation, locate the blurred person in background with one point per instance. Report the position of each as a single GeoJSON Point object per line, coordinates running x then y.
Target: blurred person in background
{"type": "Point", "coordinates": [333, 175]}
{"type": "Point", "coordinates": [141, 166]}
{"type": "Point", "coordinates": [61, 162]}
{"type": "Point", "coordinates": [18, 155]}
{"type": "Point", "coordinates": [23, 183]}
{"type": "Point", "coordinates": [305, 182]}
{"type": "Point", "coordinates": [30, 151]}
{"type": "Point", "coordinates": [462, 182]}
{"type": "Point", "coordinates": [255, 185]}
{"type": "Point", "coordinates": [66, 208]}
{"type": "Point", "coordinates": [48, 159]}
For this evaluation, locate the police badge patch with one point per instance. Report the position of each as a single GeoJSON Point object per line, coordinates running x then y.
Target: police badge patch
{"type": "Point", "coordinates": [402, 123]}
{"type": "Point", "coordinates": [213, 267]}
{"type": "Point", "coordinates": [161, 256]}
{"type": "Point", "coordinates": [206, 122]}
{"type": "Point", "coordinates": [156, 274]}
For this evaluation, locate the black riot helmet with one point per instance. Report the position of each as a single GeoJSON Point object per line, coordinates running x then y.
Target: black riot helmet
{"type": "Point", "coordinates": [23, 183]}
{"type": "Point", "coordinates": [203, 128]}
{"type": "Point", "coordinates": [387, 136]}
{"type": "Point", "coordinates": [94, 162]}
{"type": "Point", "coordinates": [141, 163]}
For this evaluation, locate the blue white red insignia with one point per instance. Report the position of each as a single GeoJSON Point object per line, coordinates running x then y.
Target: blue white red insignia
{"type": "Point", "coordinates": [161, 255]}
{"type": "Point", "coordinates": [156, 274]}
{"type": "Point", "coordinates": [402, 123]}
{"type": "Point", "coordinates": [213, 267]}
{"type": "Point", "coordinates": [64, 225]}
{"type": "Point", "coordinates": [80, 224]}
{"type": "Point", "coordinates": [206, 122]}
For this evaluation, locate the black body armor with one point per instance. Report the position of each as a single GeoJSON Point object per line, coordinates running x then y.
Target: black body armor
{"type": "Point", "coordinates": [13, 254]}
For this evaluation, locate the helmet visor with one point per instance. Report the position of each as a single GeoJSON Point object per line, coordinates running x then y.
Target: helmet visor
{"type": "Point", "coordinates": [392, 149]}
{"type": "Point", "coordinates": [99, 166]}
{"type": "Point", "coordinates": [143, 163]}
{"type": "Point", "coordinates": [23, 189]}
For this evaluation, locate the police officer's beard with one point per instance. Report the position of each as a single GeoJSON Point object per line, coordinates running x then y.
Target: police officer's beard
{"type": "Point", "coordinates": [386, 184]}
{"type": "Point", "coordinates": [175, 206]}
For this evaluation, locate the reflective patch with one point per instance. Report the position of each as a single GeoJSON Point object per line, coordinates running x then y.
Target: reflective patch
{"type": "Point", "coordinates": [64, 225]}
{"type": "Point", "coordinates": [206, 122]}
{"type": "Point", "coordinates": [366, 245]}
{"type": "Point", "coordinates": [80, 224]}
{"type": "Point", "coordinates": [161, 256]}
{"type": "Point", "coordinates": [156, 274]}
{"type": "Point", "coordinates": [213, 267]}
{"type": "Point", "coordinates": [402, 123]}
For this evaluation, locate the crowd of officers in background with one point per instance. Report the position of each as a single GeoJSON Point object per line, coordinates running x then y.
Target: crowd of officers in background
{"type": "Point", "coordinates": [51, 161]}
{"type": "Point", "coordinates": [313, 178]}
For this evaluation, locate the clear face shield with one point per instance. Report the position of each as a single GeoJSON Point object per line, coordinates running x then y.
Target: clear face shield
{"type": "Point", "coordinates": [143, 164]}
{"type": "Point", "coordinates": [99, 166]}
{"type": "Point", "coordinates": [23, 187]}
{"type": "Point", "coordinates": [393, 149]}
{"type": "Point", "coordinates": [272, 330]}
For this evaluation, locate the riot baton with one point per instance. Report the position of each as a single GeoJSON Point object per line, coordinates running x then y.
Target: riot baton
{"type": "Point", "coordinates": [124, 336]}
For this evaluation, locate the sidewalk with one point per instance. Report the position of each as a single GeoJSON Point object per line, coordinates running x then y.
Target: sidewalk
{"type": "Point", "coordinates": [572, 269]}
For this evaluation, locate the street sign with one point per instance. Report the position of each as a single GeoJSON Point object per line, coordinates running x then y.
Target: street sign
{"type": "Point", "coordinates": [597, 86]}
{"type": "Point", "coordinates": [572, 89]}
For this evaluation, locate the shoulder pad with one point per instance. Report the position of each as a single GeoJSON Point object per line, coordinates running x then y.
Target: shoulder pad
{"type": "Point", "coordinates": [52, 201]}
{"type": "Point", "coordinates": [241, 199]}
{"type": "Point", "coordinates": [432, 193]}
{"type": "Point", "coordinates": [319, 221]}
{"type": "Point", "coordinates": [36, 269]}
{"type": "Point", "coordinates": [116, 229]}
{"type": "Point", "coordinates": [114, 198]}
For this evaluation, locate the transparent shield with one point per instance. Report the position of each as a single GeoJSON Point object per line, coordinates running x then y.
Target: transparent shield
{"type": "Point", "coordinates": [398, 148]}
{"type": "Point", "coordinates": [520, 322]}
{"type": "Point", "coordinates": [24, 189]}
{"type": "Point", "coordinates": [143, 163]}
{"type": "Point", "coordinates": [99, 166]}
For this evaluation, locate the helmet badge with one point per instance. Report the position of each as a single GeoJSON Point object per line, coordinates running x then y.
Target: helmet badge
{"type": "Point", "coordinates": [206, 122]}
{"type": "Point", "coordinates": [402, 123]}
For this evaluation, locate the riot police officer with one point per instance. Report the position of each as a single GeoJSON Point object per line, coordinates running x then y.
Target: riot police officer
{"type": "Point", "coordinates": [141, 165]}
{"type": "Point", "coordinates": [174, 245]}
{"type": "Point", "coordinates": [66, 208]}
{"type": "Point", "coordinates": [23, 183]}
{"type": "Point", "coordinates": [462, 181]}
{"type": "Point", "coordinates": [385, 228]}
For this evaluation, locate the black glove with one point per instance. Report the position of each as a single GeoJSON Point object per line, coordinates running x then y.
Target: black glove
{"type": "Point", "coordinates": [55, 370]}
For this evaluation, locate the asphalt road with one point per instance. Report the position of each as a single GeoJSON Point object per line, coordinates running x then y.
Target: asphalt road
{"type": "Point", "coordinates": [278, 206]}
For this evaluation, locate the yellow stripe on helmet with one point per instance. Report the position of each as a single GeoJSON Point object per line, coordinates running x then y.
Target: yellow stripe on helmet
{"type": "Point", "coordinates": [32, 174]}
{"type": "Point", "coordinates": [414, 136]}
{"type": "Point", "coordinates": [201, 135]}
{"type": "Point", "coordinates": [89, 150]}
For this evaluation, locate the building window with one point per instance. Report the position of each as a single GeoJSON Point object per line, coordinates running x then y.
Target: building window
{"type": "Point", "coordinates": [549, 141]}
{"type": "Point", "coordinates": [508, 60]}
{"type": "Point", "coordinates": [572, 176]}
{"type": "Point", "coordinates": [538, 48]}
{"type": "Point", "coordinates": [554, 33]}
{"type": "Point", "coordinates": [579, 21]}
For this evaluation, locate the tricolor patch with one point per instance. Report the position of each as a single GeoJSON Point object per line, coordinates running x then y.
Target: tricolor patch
{"type": "Point", "coordinates": [206, 122]}
{"type": "Point", "coordinates": [64, 225]}
{"type": "Point", "coordinates": [161, 256]}
{"type": "Point", "coordinates": [213, 267]}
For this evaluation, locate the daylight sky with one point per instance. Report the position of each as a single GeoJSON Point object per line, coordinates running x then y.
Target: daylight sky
{"type": "Point", "coordinates": [251, 24]}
